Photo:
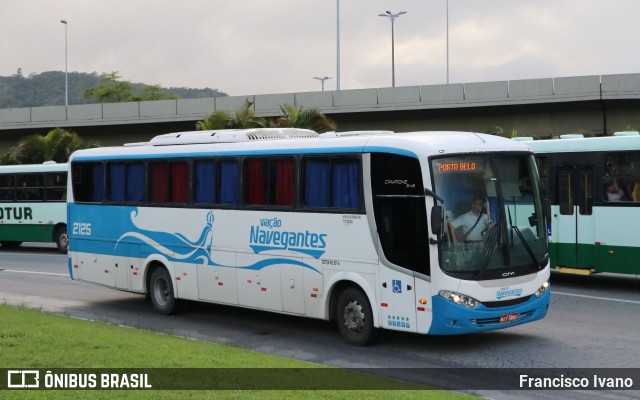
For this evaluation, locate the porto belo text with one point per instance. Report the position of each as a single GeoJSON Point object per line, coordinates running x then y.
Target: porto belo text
{"type": "Point", "coordinates": [566, 382]}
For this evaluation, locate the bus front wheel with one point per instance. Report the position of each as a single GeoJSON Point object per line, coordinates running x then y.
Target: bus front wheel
{"type": "Point", "coordinates": [161, 292]}
{"type": "Point", "coordinates": [354, 317]}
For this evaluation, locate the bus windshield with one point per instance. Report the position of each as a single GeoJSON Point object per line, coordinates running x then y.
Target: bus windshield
{"type": "Point", "coordinates": [494, 226]}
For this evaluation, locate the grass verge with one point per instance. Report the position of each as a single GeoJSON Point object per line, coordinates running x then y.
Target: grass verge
{"type": "Point", "coordinates": [31, 339]}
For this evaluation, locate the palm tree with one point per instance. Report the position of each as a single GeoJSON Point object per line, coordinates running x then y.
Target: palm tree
{"type": "Point", "coordinates": [245, 118]}
{"type": "Point", "coordinates": [294, 116]}
{"type": "Point", "coordinates": [213, 121]}
{"type": "Point", "coordinates": [57, 145]}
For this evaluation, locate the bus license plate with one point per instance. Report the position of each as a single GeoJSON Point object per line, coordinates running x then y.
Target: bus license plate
{"type": "Point", "coordinates": [508, 317]}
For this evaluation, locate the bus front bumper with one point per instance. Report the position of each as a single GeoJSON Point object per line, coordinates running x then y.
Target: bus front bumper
{"type": "Point", "coordinates": [453, 319]}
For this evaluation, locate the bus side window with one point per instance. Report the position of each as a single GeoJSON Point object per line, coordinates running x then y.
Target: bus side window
{"type": "Point", "coordinates": [331, 183]}
{"type": "Point", "coordinates": [7, 190]}
{"type": "Point", "coordinates": [255, 176]}
{"type": "Point", "coordinates": [564, 192]}
{"type": "Point", "coordinates": [399, 210]}
{"type": "Point", "coordinates": [228, 181]}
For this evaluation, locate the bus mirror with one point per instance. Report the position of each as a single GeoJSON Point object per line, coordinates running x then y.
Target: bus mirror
{"type": "Point", "coordinates": [437, 216]}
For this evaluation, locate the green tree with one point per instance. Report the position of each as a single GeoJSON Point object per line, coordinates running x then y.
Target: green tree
{"type": "Point", "coordinates": [155, 92]}
{"type": "Point", "coordinates": [57, 145]}
{"type": "Point", "coordinates": [111, 89]}
{"type": "Point", "coordinates": [295, 116]}
{"type": "Point", "coordinates": [243, 118]}
{"type": "Point", "coordinates": [215, 120]}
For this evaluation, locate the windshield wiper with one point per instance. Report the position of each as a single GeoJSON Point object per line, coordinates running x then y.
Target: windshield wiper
{"type": "Point", "coordinates": [526, 245]}
{"type": "Point", "coordinates": [493, 237]}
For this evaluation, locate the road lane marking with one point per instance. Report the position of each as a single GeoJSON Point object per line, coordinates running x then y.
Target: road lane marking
{"type": "Point", "coordinates": [32, 272]}
{"type": "Point", "coordinates": [595, 297]}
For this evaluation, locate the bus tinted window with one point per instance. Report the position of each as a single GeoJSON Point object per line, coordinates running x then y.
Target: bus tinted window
{"type": "Point", "coordinates": [229, 174]}
{"type": "Point", "coordinates": [126, 182]}
{"type": "Point", "coordinates": [270, 181]}
{"type": "Point", "coordinates": [622, 177]}
{"type": "Point", "coordinates": [88, 182]}
{"type": "Point", "coordinates": [7, 192]}
{"type": "Point", "coordinates": [399, 210]}
{"type": "Point", "coordinates": [255, 181]}
{"type": "Point", "coordinates": [56, 184]}
{"type": "Point", "coordinates": [29, 187]}
{"type": "Point", "coordinates": [205, 182]}
{"type": "Point", "coordinates": [331, 183]}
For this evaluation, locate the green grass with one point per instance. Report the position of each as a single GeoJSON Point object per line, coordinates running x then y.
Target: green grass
{"type": "Point", "coordinates": [31, 339]}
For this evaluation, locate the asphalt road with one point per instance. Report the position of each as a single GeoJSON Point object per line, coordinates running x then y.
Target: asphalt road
{"type": "Point", "coordinates": [592, 323]}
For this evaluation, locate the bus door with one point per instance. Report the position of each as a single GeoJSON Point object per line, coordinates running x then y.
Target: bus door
{"type": "Point", "coordinates": [397, 300]}
{"type": "Point", "coordinates": [572, 220]}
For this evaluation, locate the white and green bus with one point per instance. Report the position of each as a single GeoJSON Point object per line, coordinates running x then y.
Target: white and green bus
{"type": "Point", "coordinates": [33, 204]}
{"type": "Point", "coordinates": [593, 185]}
{"type": "Point", "coordinates": [351, 227]}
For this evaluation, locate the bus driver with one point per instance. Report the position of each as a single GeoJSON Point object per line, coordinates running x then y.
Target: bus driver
{"type": "Point", "coordinates": [471, 225]}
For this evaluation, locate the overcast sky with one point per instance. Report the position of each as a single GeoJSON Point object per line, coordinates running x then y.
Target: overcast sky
{"type": "Point", "coordinates": [278, 46]}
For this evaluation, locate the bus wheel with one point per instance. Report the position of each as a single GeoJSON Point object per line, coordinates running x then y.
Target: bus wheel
{"type": "Point", "coordinates": [62, 239]}
{"type": "Point", "coordinates": [10, 245]}
{"type": "Point", "coordinates": [161, 291]}
{"type": "Point", "coordinates": [354, 316]}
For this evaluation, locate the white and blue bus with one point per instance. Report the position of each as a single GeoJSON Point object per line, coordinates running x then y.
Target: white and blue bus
{"type": "Point", "coordinates": [33, 206]}
{"type": "Point", "coordinates": [593, 185]}
{"type": "Point", "coordinates": [359, 227]}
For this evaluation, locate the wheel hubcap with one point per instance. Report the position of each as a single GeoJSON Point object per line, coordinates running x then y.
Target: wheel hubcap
{"type": "Point", "coordinates": [161, 290]}
{"type": "Point", "coordinates": [354, 317]}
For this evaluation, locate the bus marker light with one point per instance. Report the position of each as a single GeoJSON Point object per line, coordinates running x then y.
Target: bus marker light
{"type": "Point", "coordinates": [177, 278]}
{"type": "Point", "coordinates": [249, 281]}
{"type": "Point", "coordinates": [384, 305]}
{"type": "Point", "coordinates": [421, 309]}
{"type": "Point", "coordinates": [422, 301]}
{"type": "Point", "coordinates": [75, 265]}
{"type": "Point", "coordinates": [106, 271]}
{"type": "Point", "coordinates": [184, 274]}
{"type": "Point", "coordinates": [264, 289]}
{"type": "Point", "coordinates": [609, 251]}
{"type": "Point", "coordinates": [314, 295]}
{"type": "Point", "coordinates": [315, 289]}
{"type": "Point", "coordinates": [220, 284]}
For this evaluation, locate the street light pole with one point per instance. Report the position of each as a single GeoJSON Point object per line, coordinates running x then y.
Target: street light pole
{"type": "Point", "coordinates": [337, 45]}
{"type": "Point", "coordinates": [322, 80]}
{"type": "Point", "coordinates": [392, 17]}
{"type": "Point", "coordinates": [447, 42]}
{"type": "Point", "coordinates": [66, 75]}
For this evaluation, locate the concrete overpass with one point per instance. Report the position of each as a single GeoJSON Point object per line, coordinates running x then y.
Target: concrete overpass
{"type": "Point", "coordinates": [534, 107]}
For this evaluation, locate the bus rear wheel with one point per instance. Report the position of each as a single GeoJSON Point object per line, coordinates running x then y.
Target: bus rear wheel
{"type": "Point", "coordinates": [354, 317]}
{"type": "Point", "coordinates": [161, 292]}
{"type": "Point", "coordinates": [62, 239]}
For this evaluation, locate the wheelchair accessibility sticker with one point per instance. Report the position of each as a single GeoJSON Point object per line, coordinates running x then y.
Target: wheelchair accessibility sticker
{"type": "Point", "coordinates": [397, 286]}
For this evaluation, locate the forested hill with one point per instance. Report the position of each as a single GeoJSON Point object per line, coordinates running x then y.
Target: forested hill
{"type": "Point", "coordinates": [47, 89]}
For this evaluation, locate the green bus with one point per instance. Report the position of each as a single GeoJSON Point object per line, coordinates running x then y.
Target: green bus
{"type": "Point", "coordinates": [593, 185]}
{"type": "Point", "coordinates": [33, 204]}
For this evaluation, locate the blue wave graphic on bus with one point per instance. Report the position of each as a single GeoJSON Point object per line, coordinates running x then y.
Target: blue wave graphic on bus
{"type": "Point", "coordinates": [177, 247]}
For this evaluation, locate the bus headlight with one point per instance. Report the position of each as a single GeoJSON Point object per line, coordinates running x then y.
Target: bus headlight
{"type": "Point", "coordinates": [458, 298]}
{"type": "Point", "coordinates": [542, 289]}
